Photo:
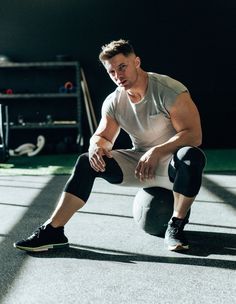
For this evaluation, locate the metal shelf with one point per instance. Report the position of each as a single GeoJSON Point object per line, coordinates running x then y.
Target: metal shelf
{"type": "Point", "coordinates": [38, 95]}
{"type": "Point", "coordinates": [49, 64]}
{"type": "Point", "coordinates": [45, 94]}
{"type": "Point", "coordinates": [44, 126]}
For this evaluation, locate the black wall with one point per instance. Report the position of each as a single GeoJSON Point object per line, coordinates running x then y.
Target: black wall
{"type": "Point", "coordinates": [192, 41]}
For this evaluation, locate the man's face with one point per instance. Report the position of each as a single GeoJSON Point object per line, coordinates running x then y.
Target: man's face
{"type": "Point", "coordinates": [123, 70]}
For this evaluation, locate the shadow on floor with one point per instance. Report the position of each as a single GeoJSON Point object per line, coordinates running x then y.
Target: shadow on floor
{"type": "Point", "coordinates": [227, 196]}
{"type": "Point", "coordinates": [203, 244]}
{"type": "Point", "coordinates": [11, 261]}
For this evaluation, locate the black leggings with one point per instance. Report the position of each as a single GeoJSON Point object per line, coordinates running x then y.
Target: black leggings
{"type": "Point", "coordinates": [81, 181]}
{"type": "Point", "coordinates": [185, 172]}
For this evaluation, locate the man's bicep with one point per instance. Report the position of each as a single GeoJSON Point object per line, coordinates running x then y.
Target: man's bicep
{"type": "Point", "coordinates": [184, 114]}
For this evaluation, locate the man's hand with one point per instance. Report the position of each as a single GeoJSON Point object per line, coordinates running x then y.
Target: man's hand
{"type": "Point", "coordinates": [96, 160]}
{"type": "Point", "coordinates": [147, 165]}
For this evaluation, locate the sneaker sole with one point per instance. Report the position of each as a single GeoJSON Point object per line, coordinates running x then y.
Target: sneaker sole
{"type": "Point", "coordinates": [178, 247]}
{"type": "Point", "coordinates": [42, 248]}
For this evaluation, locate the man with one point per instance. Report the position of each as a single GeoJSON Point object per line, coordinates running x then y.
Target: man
{"type": "Point", "coordinates": [164, 126]}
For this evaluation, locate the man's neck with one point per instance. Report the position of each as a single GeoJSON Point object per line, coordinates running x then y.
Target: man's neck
{"type": "Point", "coordinates": [138, 91]}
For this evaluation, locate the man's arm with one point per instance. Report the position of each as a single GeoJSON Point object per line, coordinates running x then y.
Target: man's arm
{"type": "Point", "coordinates": [186, 121]}
{"type": "Point", "coordinates": [102, 141]}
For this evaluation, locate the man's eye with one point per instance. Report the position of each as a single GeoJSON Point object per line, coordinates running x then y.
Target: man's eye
{"type": "Point", "coordinates": [123, 67]}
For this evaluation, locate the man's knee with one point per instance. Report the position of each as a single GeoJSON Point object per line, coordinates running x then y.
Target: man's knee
{"type": "Point", "coordinates": [191, 156]}
{"type": "Point", "coordinates": [82, 163]}
{"type": "Point", "coordinates": [113, 173]}
{"type": "Point", "coordinates": [81, 180]}
{"type": "Point", "coordinates": [188, 164]}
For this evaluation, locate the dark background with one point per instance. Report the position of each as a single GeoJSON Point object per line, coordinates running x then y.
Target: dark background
{"type": "Point", "coordinates": [192, 41]}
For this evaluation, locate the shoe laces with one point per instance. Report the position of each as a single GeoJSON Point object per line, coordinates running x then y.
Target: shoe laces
{"type": "Point", "coordinates": [37, 232]}
{"type": "Point", "coordinates": [174, 230]}
{"type": "Point", "coordinates": [177, 226]}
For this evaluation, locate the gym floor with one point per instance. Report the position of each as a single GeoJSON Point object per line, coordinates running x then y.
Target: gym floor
{"type": "Point", "coordinates": [110, 259]}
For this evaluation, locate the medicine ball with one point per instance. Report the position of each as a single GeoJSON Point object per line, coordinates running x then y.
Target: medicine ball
{"type": "Point", "coordinates": [152, 209]}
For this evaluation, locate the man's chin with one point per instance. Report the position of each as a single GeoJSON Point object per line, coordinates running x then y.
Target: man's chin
{"type": "Point", "coordinates": [125, 86]}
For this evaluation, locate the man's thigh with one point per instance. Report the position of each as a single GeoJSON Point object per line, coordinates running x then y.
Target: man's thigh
{"type": "Point", "coordinates": [128, 160]}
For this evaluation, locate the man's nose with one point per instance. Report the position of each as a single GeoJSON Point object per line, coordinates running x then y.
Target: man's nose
{"type": "Point", "coordinates": [118, 74]}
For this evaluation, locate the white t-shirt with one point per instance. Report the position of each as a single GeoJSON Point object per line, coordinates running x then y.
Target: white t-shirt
{"type": "Point", "coordinates": [147, 122]}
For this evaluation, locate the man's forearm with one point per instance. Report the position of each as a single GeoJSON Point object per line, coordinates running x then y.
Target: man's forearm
{"type": "Point", "coordinates": [100, 142]}
{"type": "Point", "coordinates": [183, 138]}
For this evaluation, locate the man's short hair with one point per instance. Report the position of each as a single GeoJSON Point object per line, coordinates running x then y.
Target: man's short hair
{"type": "Point", "coordinates": [114, 48]}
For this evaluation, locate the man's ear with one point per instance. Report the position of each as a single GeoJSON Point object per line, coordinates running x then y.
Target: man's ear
{"type": "Point", "coordinates": [137, 62]}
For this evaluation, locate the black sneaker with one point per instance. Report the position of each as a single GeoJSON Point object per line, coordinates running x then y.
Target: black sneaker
{"type": "Point", "coordinates": [174, 236]}
{"type": "Point", "coordinates": [44, 238]}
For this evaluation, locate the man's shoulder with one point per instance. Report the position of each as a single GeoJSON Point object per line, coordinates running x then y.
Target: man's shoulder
{"type": "Point", "coordinates": [162, 79]}
{"type": "Point", "coordinates": [166, 82]}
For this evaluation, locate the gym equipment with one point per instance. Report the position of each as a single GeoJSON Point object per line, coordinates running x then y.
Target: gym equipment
{"type": "Point", "coordinates": [28, 148]}
{"type": "Point", "coordinates": [88, 99]}
{"type": "Point", "coordinates": [62, 90]}
{"type": "Point", "coordinates": [90, 122]}
{"type": "Point", "coordinates": [4, 133]}
{"type": "Point", "coordinates": [152, 209]}
{"type": "Point", "coordinates": [69, 86]}
{"type": "Point", "coordinates": [4, 59]}
{"type": "Point", "coordinates": [9, 91]}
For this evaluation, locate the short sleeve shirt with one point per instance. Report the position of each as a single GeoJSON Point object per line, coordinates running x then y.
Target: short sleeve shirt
{"type": "Point", "coordinates": [147, 122]}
